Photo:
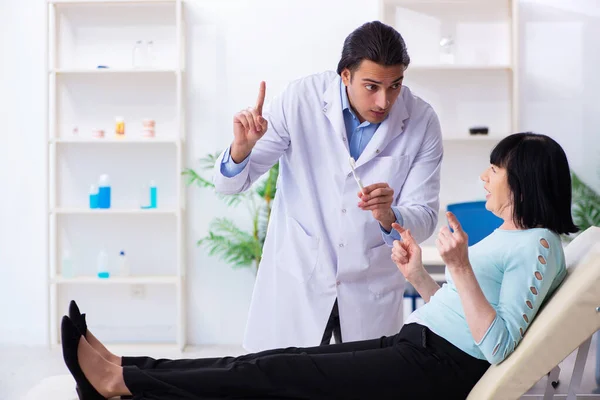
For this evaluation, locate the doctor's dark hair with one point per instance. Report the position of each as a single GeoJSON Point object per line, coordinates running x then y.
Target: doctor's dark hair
{"type": "Point", "coordinates": [539, 178]}
{"type": "Point", "coordinates": [376, 42]}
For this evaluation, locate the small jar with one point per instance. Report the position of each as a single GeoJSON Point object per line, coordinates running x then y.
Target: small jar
{"type": "Point", "coordinates": [148, 128]}
{"type": "Point", "coordinates": [98, 133]}
{"type": "Point", "coordinates": [120, 127]}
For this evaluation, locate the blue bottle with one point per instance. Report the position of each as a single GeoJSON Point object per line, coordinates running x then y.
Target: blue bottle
{"type": "Point", "coordinates": [104, 192]}
{"type": "Point", "coordinates": [152, 202]}
{"type": "Point", "coordinates": [102, 265]}
{"type": "Point", "coordinates": [153, 194]}
{"type": "Point", "coordinates": [94, 196]}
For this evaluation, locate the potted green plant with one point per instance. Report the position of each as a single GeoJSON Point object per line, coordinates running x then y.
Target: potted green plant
{"type": "Point", "coordinates": [238, 247]}
{"type": "Point", "coordinates": [586, 204]}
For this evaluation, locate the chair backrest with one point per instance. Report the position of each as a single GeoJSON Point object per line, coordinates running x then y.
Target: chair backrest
{"type": "Point", "coordinates": [567, 320]}
{"type": "Point", "coordinates": [475, 219]}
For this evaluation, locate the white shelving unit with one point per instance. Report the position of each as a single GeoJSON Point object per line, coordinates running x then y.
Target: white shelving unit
{"type": "Point", "coordinates": [485, 50]}
{"type": "Point", "coordinates": [480, 86]}
{"type": "Point", "coordinates": [91, 80]}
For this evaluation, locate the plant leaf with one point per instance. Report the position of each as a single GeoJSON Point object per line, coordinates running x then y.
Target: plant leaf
{"type": "Point", "coordinates": [230, 243]}
{"type": "Point", "coordinates": [585, 204]}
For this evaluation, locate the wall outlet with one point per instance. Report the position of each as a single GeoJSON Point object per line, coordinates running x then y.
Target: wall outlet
{"type": "Point", "coordinates": [138, 291]}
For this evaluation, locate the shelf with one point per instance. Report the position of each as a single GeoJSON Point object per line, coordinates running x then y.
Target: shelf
{"type": "Point", "coordinates": [113, 211]}
{"type": "Point", "coordinates": [457, 2]}
{"type": "Point", "coordinates": [476, 138]}
{"type": "Point", "coordinates": [458, 67]}
{"type": "Point", "coordinates": [431, 256]}
{"type": "Point", "coordinates": [83, 35]}
{"type": "Point", "coordinates": [442, 7]}
{"type": "Point", "coordinates": [105, 2]}
{"type": "Point", "coordinates": [105, 140]}
{"type": "Point", "coordinates": [438, 277]}
{"type": "Point", "coordinates": [108, 71]}
{"type": "Point", "coordinates": [129, 280]}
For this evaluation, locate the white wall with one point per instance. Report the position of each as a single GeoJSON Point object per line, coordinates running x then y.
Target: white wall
{"type": "Point", "coordinates": [232, 45]}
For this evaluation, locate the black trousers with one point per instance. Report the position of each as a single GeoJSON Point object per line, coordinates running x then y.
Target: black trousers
{"type": "Point", "coordinates": [413, 364]}
{"type": "Point", "coordinates": [333, 326]}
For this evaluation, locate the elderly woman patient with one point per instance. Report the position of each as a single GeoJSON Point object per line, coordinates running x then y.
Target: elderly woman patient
{"type": "Point", "coordinates": [494, 290]}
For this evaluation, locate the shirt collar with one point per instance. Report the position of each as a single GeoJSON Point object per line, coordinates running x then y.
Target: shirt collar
{"type": "Point", "coordinates": [345, 101]}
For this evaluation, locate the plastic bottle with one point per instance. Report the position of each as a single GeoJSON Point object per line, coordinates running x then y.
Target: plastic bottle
{"type": "Point", "coordinates": [104, 192]}
{"type": "Point", "coordinates": [151, 189]}
{"type": "Point", "coordinates": [138, 56]}
{"type": "Point", "coordinates": [123, 266]}
{"type": "Point", "coordinates": [66, 268]}
{"type": "Point", "coordinates": [102, 265]}
{"type": "Point", "coordinates": [153, 194]}
{"type": "Point", "coordinates": [94, 196]}
{"type": "Point", "coordinates": [149, 62]}
{"type": "Point", "coordinates": [120, 127]}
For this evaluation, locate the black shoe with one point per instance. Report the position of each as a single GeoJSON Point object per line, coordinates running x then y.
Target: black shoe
{"type": "Point", "coordinates": [78, 318]}
{"type": "Point", "coordinates": [70, 336]}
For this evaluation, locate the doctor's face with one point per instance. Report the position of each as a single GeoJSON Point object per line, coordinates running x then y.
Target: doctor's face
{"type": "Point", "coordinates": [373, 89]}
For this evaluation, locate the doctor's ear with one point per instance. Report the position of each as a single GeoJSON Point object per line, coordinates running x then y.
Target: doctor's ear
{"type": "Point", "coordinates": [346, 76]}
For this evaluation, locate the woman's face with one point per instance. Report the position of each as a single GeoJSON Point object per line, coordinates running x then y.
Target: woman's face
{"type": "Point", "coordinates": [499, 197]}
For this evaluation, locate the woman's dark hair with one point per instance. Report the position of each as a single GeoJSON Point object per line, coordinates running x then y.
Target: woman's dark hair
{"type": "Point", "coordinates": [539, 178]}
{"type": "Point", "coordinates": [376, 42]}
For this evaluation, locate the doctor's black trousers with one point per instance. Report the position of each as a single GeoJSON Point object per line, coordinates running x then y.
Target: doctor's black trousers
{"type": "Point", "coordinates": [413, 364]}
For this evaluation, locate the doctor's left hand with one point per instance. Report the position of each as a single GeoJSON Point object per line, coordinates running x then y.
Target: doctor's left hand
{"type": "Point", "coordinates": [378, 198]}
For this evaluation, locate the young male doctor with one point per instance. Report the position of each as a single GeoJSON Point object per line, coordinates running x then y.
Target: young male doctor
{"type": "Point", "coordinates": [326, 267]}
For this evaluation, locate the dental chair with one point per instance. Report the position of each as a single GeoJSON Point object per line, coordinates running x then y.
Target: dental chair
{"type": "Point", "coordinates": [566, 322]}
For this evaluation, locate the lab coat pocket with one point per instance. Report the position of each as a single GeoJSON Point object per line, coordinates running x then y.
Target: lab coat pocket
{"type": "Point", "coordinates": [383, 274]}
{"type": "Point", "coordinates": [297, 251]}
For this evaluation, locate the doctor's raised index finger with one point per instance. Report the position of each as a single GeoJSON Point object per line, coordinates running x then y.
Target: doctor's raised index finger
{"type": "Point", "coordinates": [261, 97]}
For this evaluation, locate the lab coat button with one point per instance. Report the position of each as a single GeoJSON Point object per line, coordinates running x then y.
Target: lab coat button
{"type": "Point", "coordinates": [341, 245]}
{"type": "Point", "coordinates": [344, 211]}
{"type": "Point", "coordinates": [338, 283]}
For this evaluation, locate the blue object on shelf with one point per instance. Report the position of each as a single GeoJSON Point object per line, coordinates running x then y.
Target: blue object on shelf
{"type": "Point", "coordinates": [153, 193]}
{"type": "Point", "coordinates": [104, 192]}
{"type": "Point", "coordinates": [104, 197]}
{"type": "Point", "coordinates": [475, 219]}
{"type": "Point", "coordinates": [153, 196]}
{"type": "Point", "coordinates": [93, 200]}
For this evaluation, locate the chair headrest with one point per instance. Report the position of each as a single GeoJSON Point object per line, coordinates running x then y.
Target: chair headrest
{"type": "Point", "coordinates": [581, 245]}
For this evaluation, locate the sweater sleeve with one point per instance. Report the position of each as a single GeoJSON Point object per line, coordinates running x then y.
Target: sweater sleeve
{"type": "Point", "coordinates": [527, 278]}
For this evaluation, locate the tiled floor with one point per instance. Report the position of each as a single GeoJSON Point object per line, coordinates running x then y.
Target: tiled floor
{"type": "Point", "coordinates": [21, 368]}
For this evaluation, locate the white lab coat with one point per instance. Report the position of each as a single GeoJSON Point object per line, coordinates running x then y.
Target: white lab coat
{"type": "Point", "coordinates": [320, 246]}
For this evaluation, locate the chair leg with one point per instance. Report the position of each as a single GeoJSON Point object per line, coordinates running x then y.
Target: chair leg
{"type": "Point", "coordinates": [552, 383]}
{"type": "Point", "coordinates": [580, 360]}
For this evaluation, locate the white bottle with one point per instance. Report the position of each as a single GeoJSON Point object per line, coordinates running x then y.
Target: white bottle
{"type": "Point", "coordinates": [66, 267]}
{"type": "Point", "coordinates": [123, 266]}
{"type": "Point", "coordinates": [139, 55]}
{"type": "Point", "coordinates": [102, 265]}
{"type": "Point", "coordinates": [149, 54]}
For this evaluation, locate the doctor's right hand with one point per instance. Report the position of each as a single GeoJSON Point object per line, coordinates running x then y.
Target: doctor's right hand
{"type": "Point", "coordinates": [406, 253]}
{"type": "Point", "coordinates": [248, 127]}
